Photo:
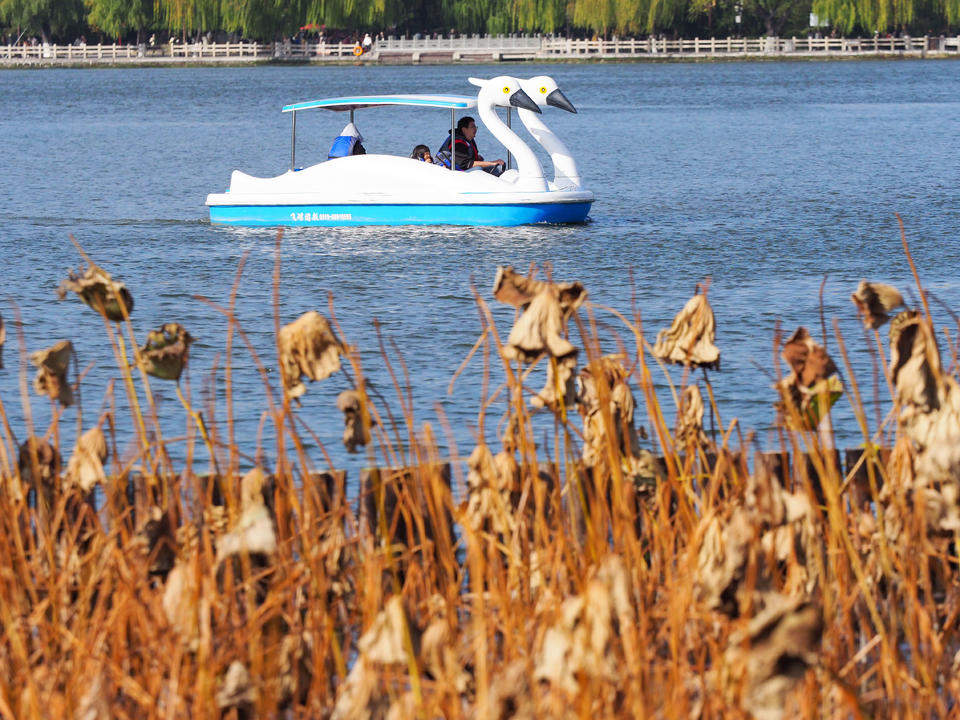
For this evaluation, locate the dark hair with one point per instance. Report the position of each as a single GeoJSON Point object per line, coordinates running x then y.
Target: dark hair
{"type": "Point", "coordinates": [419, 151]}
{"type": "Point", "coordinates": [463, 122]}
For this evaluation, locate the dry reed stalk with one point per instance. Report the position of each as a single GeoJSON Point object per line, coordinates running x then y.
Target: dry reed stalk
{"type": "Point", "coordinates": [585, 600]}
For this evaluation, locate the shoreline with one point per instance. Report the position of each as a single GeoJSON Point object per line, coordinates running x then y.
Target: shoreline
{"type": "Point", "coordinates": [159, 62]}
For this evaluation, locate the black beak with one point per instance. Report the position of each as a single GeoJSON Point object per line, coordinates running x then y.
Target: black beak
{"type": "Point", "coordinates": [521, 100]}
{"type": "Point", "coordinates": [558, 99]}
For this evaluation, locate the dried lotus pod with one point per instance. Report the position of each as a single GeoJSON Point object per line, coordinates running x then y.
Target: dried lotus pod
{"type": "Point", "coordinates": [874, 302]}
{"type": "Point", "coordinates": [51, 378]}
{"type": "Point", "coordinates": [356, 432]}
{"type": "Point", "coordinates": [308, 348]}
{"type": "Point", "coordinates": [85, 468]}
{"type": "Point", "coordinates": [98, 290]}
{"type": "Point", "coordinates": [164, 354]}
{"type": "Point", "coordinates": [690, 338]}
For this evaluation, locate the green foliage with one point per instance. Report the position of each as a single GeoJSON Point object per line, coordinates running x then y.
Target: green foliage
{"type": "Point", "coordinates": [116, 17]}
{"type": "Point", "coordinates": [874, 15]}
{"type": "Point", "coordinates": [47, 17]}
{"type": "Point", "coordinates": [271, 19]}
{"type": "Point", "coordinates": [190, 15]}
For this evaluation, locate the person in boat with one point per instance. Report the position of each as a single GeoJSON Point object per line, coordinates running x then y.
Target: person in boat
{"type": "Point", "coordinates": [465, 149]}
{"type": "Point", "coordinates": [422, 152]}
{"type": "Point", "coordinates": [348, 142]}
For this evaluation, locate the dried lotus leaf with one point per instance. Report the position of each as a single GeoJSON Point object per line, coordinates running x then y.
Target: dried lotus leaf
{"type": "Point", "coordinates": [874, 302]}
{"type": "Point", "coordinates": [490, 482]}
{"type": "Point", "coordinates": [538, 330]}
{"type": "Point", "coordinates": [511, 288]}
{"type": "Point", "coordinates": [541, 328]}
{"type": "Point", "coordinates": [511, 695]}
{"type": "Point", "coordinates": [52, 366]}
{"type": "Point", "coordinates": [771, 656]}
{"type": "Point", "coordinates": [308, 348]}
{"type": "Point", "coordinates": [807, 358]}
{"type": "Point", "coordinates": [99, 291]}
{"type": "Point", "coordinates": [235, 690]}
{"type": "Point", "coordinates": [356, 432]}
{"type": "Point", "coordinates": [387, 640]}
{"type": "Point", "coordinates": [914, 361]}
{"type": "Point", "coordinates": [813, 403]}
{"type": "Point", "coordinates": [690, 338]}
{"type": "Point", "coordinates": [560, 388]}
{"type": "Point", "coordinates": [820, 397]}
{"type": "Point", "coordinates": [690, 418]}
{"type": "Point", "coordinates": [39, 465]}
{"type": "Point", "coordinates": [85, 468]}
{"type": "Point", "coordinates": [812, 386]}
{"type": "Point", "coordinates": [547, 307]}
{"type": "Point", "coordinates": [165, 353]}
{"type": "Point", "coordinates": [254, 532]}
{"type": "Point", "coordinates": [610, 372]}
{"type": "Point", "coordinates": [580, 644]}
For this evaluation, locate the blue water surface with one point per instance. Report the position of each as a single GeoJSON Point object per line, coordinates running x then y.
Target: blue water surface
{"type": "Point", "coordinates": [764, 176]}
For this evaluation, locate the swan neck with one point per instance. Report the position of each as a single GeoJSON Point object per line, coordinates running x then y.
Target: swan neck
{"type": "Point", "coordinates": [527, 164]}
{"type": "Point", "coordinates": [565, 171]}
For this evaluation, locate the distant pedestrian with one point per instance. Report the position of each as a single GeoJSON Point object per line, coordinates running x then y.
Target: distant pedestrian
{"type": "Point", "coordinates": [367, 43]}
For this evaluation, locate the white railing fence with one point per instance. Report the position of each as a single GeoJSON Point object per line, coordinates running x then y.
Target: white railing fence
{"type": "Point", "coordinates": [530, 47]}
{"type": "Point", "coordinates": [755, 46]}
{"type": "Point", "coordinates": [474, 42]}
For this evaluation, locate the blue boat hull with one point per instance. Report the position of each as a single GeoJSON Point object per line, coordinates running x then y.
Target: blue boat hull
{"type": "Point", "coordinates": [340, 215]}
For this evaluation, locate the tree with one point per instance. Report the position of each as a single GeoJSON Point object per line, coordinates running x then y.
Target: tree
{"type": "Point", "coordinates": [47, 17]}
{"type": "Point", "coordinates": [116, 17]}
{"type": "Point", "coordinates": [873, 15]}
{"type": "Point", "coordinates": [774, 13]}
{"type": "Point", "coordinates": [187, 16]}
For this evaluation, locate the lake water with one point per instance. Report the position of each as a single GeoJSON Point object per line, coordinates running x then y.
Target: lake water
{"type": "Point", "coordinates": [764, 176]}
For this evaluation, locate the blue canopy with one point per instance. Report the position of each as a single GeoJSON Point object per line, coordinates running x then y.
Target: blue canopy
{"type": "Point", "coordinates": [450, 102]}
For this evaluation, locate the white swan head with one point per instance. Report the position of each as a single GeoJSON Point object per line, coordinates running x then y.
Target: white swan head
{"type": "Point", "coordinates": [504, 91]}
{"type": "Point", "coordinates": [544, 92]}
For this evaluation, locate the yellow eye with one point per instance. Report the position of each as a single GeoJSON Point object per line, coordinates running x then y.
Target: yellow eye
{"type": "Point", "coordinates": [543, 90]}
{"type": "Point", "coordinates": [506, 90]}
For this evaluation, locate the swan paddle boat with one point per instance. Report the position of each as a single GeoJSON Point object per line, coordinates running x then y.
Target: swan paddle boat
{"type": "Point", "coordinates": [375, 189]}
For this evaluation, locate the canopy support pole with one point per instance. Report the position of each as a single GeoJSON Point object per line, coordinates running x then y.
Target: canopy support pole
{"type": "Point", "coordinates": [351, 114]}
{"type": "Point", "coordinates": [509, 116]}
{"type": "Point", "coordinates": [453, 139]}
{"type": "Point", "coordinates": [293, 143]}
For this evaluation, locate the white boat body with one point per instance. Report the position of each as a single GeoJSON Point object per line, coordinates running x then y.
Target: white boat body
{"type": "Point", "coordinates": [390, 190]}
{"type": "Point", "coordinates": [374, 189]}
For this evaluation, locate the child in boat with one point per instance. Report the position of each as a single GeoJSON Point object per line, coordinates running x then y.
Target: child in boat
{"type": "Point", "coordinates": [422, 152]}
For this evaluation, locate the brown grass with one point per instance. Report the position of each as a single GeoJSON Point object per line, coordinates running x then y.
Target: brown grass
{"type": "Point", "coordinates": [603, 580]}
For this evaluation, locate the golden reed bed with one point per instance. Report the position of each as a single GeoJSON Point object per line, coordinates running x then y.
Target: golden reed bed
{"type": "Point", "coordinates": [632, 566]}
